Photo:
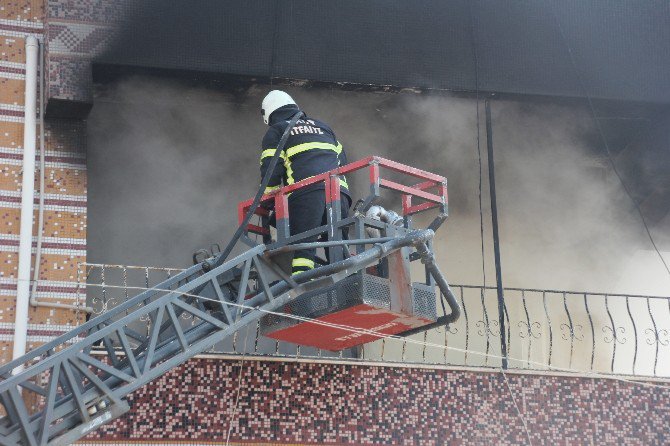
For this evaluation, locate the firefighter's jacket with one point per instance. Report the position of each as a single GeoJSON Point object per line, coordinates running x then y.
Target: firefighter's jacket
{"type": "Point", "coordinates": [311, 149]}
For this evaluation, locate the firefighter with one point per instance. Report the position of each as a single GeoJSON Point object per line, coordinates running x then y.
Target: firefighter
{"type": "Point", "coordinates": [311, 149]}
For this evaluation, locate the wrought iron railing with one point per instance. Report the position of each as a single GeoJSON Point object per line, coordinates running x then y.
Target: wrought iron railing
{"type": "Point", "coordinates": [549, 330]}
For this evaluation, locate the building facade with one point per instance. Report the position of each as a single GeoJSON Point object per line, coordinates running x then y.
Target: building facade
{"type": "Point", "coordinates": [253, 400]}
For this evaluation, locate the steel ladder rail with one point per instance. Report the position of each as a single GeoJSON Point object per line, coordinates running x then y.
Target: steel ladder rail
{"type": "Point", "coordinates": [10, 425]}
{"type": "Point", "coordinates": [166, 347]}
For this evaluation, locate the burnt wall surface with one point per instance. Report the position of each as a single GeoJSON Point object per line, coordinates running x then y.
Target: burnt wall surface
{"type": "Point", "coordinates": [300, 404]}
{"type": "Point", "coordinates": [618, 49]}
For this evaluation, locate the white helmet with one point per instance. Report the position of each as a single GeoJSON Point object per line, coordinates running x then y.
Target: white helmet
{"type": "Point", "coordinates": [274, 100]}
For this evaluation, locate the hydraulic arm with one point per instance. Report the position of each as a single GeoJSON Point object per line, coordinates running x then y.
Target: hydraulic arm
{"type": "Point", "coordinates": [72, 391]}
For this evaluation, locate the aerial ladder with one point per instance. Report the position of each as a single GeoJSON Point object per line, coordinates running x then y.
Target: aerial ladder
{"type": "Point", "coordinates": [362, 293]}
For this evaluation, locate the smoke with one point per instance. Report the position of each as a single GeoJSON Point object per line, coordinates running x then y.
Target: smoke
{"type": "Point", "coordinates": [566, 218]}
{"type": "Point", "coordinates": [169, 163]}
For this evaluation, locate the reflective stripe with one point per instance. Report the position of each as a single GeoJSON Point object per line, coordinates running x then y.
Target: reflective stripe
{"type": "Point", "coordinates": [343, 179]}
{"type": "Point", "coordinates": [289, 172]}
{"type": "Point", "coordinates": [291, 151]}
{"type": "Point", "coordinates": [269, 152]}
{"type": "Point", "coordinates": [302, 262]}
{"type": "Point", "coordinates": [290, 180]}
{"type": "Point", "coordinates": [271, 189]}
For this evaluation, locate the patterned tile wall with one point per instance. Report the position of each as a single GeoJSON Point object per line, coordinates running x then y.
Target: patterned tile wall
{"type": "Point", "coordinates": [21, 11]}
{"type": "Point", "coordinates": [89, 11]}
{"type": "Point", "coordinates": [64, 241]}
{"type": "Point", "coordinates": [78, 31]}
{"type": "Point", "coordinates": [294, 403]}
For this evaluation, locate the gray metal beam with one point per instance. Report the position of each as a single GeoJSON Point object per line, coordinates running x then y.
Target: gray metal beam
{"type": "Point", "coordinates": [86, 381]}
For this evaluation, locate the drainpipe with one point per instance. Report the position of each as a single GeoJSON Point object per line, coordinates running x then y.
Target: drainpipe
{"type": "Point", "coordinates": [27, 192]}
{"type": "Point", "coordinates": [40, 212]}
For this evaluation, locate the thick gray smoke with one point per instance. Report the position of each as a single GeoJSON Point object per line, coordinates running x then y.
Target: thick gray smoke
{"type": "Point", "coordinates": [168, 165]}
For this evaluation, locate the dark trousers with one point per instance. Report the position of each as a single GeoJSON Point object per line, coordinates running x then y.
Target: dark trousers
{"type": "Point", "coordinates": [308, 211]}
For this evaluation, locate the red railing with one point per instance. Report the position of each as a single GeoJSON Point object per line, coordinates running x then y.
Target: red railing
{"type": "Point", "coordinates": [429, 181]}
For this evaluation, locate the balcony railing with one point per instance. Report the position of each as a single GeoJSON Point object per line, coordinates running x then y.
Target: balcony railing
{"type": "Point", "coordinates": [546, 330]}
